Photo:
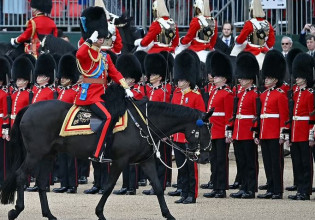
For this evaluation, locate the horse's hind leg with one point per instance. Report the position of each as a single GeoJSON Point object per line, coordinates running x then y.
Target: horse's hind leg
{"type": "Point", "coordinates": [42, 180]}
{"type": "Point", "coordinates": [115, 170]}
{"type": "Point", "coordinates": [149, 169]}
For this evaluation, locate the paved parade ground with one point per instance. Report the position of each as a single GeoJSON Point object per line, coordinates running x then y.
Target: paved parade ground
{"type": "Point", "coordinates": [80, 206]}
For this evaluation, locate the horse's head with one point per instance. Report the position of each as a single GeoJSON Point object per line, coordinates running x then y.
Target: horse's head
{"type": "Point", "coordinates": [198, 134]}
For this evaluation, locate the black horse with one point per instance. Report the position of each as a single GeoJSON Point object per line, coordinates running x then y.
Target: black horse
{"type": "Point", "coordinates": [35, 140]}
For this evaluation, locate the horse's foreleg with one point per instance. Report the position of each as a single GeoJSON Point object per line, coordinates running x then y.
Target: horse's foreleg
{"type": "Point", "coordinates": [149, 169]}
{"type": "Point", "coordinates": [115, 170]}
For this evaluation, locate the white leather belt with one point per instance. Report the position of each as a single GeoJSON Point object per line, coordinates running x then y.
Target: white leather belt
{"type": "Point", "coordinates": [301, 118]}
{"type": "Point", "coordinates": [255, 45]}
{"type": "Point", "coordinates": [13, 117]}
{"type": "Point", "coordinates": [238, 116]}
{"type": "Point", "coordinates": [1, 115]}
{"type": "Point", "coordinates": [269, 116]}
{"type": "Point", "coordinates": [202, 41]}
{"type": "Point", "coordinates": [218, 114]}
{"type": "Point", "coordinates": [162, 45]}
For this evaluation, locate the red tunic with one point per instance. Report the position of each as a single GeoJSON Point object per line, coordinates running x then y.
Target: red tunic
{"type": "Point", "coordinates": [140, 86]}
{"type": "Point", "coordinates": [154, 30]}
{"type": "Point", "coordinates": [303, 106]}
{"type": "Point", "coordinates": [67, 94]}
{"type": "Point", "coordinates": [285, 87]}
{"type": "Point", "coordinates": [194, 27]}
{"type": "Point", "coordinates": [209, 88]}
{"type": "Point", "coordinates": [222, 100]}
{"type": "Point", "coordinates": [248, 30]}
{"type": "Point", "coordinates": [246, 111]}
{"type": "Point", "coordinates": [43, 93]}
{"type": "Point", "coordinates": [188, 98]}
{"type": "Point", "coordinates": [274, 113]}
{"type": "Point", "coordinates": [118, 44]}
{"type": "Point", "coordinates": [136, 93]}
{"type": "Point", "coordinates": [3, 97]}
{"type": "Point", "coordinates": [95, 90]}
{"type": "Point", "coordinates": [158, 94]}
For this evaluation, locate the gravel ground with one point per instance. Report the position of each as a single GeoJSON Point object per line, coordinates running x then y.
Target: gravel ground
{"type": "Point", "coordinates": [80, 206]}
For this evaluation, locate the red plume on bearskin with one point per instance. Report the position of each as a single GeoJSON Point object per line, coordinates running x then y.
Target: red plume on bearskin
{"type": "Point", "coordinates": [302, 67]}
{"type": "Point", "coordinates": [274, 66]}
{"type": "Point", "coordinates": [185, 68]}
{"type": "Point", "coordinates": [129, 66]}
{"type": "Point", "coordinates": [221, 66]}
{"type": "Point", "coordinates": [68, 68]}
{"type": "Point", "coordinates": [22, 68]}
{"type": "Point", "coordinates": [247, 66]}
{"type": "Point", "coordinates": [45, 66]}
{"type": "Point", "coordinates": [42, 5]}
{"type": "Point", "coordinates": [155, 63]}
{"type": "Point", "coordinates": [5, 70]}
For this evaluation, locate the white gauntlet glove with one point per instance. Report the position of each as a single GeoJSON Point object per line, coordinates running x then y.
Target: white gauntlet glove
{"type": "Point", "coordinates": [13, 42]}
{"type": "Point", "coordinates": [311, 135]}
{"type": "Point", "coordinates": [94, 36]}
{"type": "Point", "coordinates": [128, 93]}
{"type": "Point", "coordinates": [137, 42]}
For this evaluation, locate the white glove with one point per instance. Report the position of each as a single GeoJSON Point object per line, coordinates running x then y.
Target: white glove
{"type": "Point", "coordinates": [128, 93]}
{"type": "Point", "coordinates": [111, 28]}
{"type": "Point", "coordinates": [113, 38]}
{"type": "Point", "coordinates": [94, 36]}
{"type": "Point", "coordinates": [13, 42]}
{"type": "Point", "coordinates": [137, 42]}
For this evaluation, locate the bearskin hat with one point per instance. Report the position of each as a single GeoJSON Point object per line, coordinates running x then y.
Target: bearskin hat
{"type": "Point", "coordinates": [221, 66]}
{"type": "Point", "coordinates": [42, 5]}
{"type": "Point", "coordinates": [185, 68]}
{"type": "Point", "coordinates": [247, 66]}
{"type": "Point", "coordinates": [129, 66]}
{"type": "Point", "coordinates": [198, 73]}
{"type": "Point", "coordinates": [112, 55]}
{"type": "Point", "coordinates": [57, 58]}
{"type": "Point", "coordinates": [30, 57]}
{"type": "Point", "coordinates": [302, 67]}
{"type": "Point", "coordinates": [68, 68]}
{"type": "Point", "coordinates": [208, 63]}
{"type": "Point", "coordinates": [290, 57]}
{"type": "Point", "coordinates": [5, 70]}
{"type": "Point", "coordinates": [274, 66]}
{"type": "Point", "coordinates": [46, 66]}
{"type": "Point", "coordinates": [170, 61]}
{"type": "Point", "coordinates": [155, 63]}
{"type": "Point", "coordinates": [140, 54]}
{"type": "Point", "coordinates": [22, 68]}
{"type": "Point", "coordinates": [93, 19]}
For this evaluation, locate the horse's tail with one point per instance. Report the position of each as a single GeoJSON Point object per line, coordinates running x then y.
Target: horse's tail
{"type": "Point", "coordinates": [16, 155]}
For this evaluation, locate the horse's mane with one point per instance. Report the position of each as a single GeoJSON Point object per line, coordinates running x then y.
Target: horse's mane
{"type": "Point", "coordinates": [9, 50]}
{"type": "Point", "coordinates": [173, 110]}
{"type": "Point", "coordinates": [58, 45]}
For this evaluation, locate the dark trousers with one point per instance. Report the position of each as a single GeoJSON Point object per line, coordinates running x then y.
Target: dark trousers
{"type": "Point", "coordinates": [248, 161]}
{"type": "Point", "coordinates": [101, 171]}
{"type": "Point", "coordinates": [189, 174]}
{"type": "Point", "coordinates": [239, 165]}
{"type": "Point", "coordinates": [161, 168]}
{"type": "Point", "coordinates": [179, 160]}
{"type": "Point", "coordinates": [83, 168]}
{"type": "Point", "coordinates": [68, 170]}
{"type": "Point", "coordinates": [130, 177]}
{"type": "Point", "coordinates": [221, 162]}
{"type": "Point", "coordinates": [302, 161]}
{"type": "Point", "coordinates": [3, 160]}
{"type": "Point", "coordinates": [272, 153]}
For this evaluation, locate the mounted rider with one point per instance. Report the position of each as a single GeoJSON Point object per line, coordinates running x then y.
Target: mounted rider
{"type": "Point", "coordinates": [95, 65]}
{"type": "Point", "coordinates": [203, 32]}
{"type": "Point", "coordinates": [39, 26]}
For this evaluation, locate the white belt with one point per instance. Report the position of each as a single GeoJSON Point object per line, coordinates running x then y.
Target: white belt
{"type": "Point", "coordinates": [202, 41]}
{"type": "Point", "coordinates": [238, 116]}
{"type": "Point", "coordinates": [269, 116]}
{"type": "Point", "coordinates": [1, 115]}
{"type": "Point", "coordinates": [13, 117]}
{"type": "Point", "coordinates": [162, 45]}
{"type": "Point", "coordinates": [255, 45]}
{"type": "Point", "coordinates": [218, 114]}
{"type": "Point", "coordinates": [301, 118]}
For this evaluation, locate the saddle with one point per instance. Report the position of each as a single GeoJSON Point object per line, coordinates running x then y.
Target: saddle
{"type": "Point", "coordinates": [80, 120]}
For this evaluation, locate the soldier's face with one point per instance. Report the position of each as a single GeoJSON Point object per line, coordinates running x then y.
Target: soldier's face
{"type": "Point", "coordinates": [219, 80]}
{"type": "Point", "coordinates": [245, 83]}
{"type": "Point", "coordinates": [21, 83]}
{"type": "Point", "coordinates": [183, 84]}
{"type": "Point", "coordinates": [300, 82]}
{"type": "Point", "coordinates": [270, 82]}
{"type": "Point", "coordinates": [210, 78]}
{"type": "Point", "coordinates": [130, 81]}
{"type": "Point", "coordinates": [65, 81]}
{"type": "Point", "coordinates": [42, 80]}
{"type": "Point", "coordinates": [99, 42]}
{"type": "Point", "coordinates": [154, 78]}
{"type": "Point", "coordinates": [226, 30]}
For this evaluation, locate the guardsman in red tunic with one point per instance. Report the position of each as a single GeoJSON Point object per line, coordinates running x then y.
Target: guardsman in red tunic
{"type": "Point", "coordinates": [302, 133]}
{"type": "Point", "coordinates": [163, 33]}
{"type": "Point", "coordinates": [37, 27]}
{"type": "Point", "coordinates": [5, 69]}
{"type": "Point", "coordinates": [44, 72]}
{"type": "Point", "coordinates": [258, 33]}
{"type": "Point", "coordinates": [203, 32]}
{"type": "Point", "coordinates": [94, 65]}
{"type": "Point", "coordinates": [185, 76]}
{"type": "Point", "coordinates": [274, 114]}
{"type": "Point", "coordinates": [221, 99]}
{"type": "Point", "coordinates": [141, 85]}
{"type": "Point", "coordinates": [247, 68]}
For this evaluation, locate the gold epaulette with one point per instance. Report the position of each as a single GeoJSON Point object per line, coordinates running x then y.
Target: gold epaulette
{"type": "Point", "coordinates": [196, 91]}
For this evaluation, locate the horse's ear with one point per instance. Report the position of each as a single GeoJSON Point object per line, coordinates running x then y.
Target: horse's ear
{"type": "Point", "coordinates": [206, 117]}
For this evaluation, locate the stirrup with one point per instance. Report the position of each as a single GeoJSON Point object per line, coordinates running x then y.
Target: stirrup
{"type": "Point", "coordinates": [104, 160]}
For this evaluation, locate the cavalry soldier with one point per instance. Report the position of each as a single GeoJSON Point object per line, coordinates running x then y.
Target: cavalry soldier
{"type": "Point", "coordinates": [247, 69]}
{"type": "Point", "coordinates": [203, 31]}
{"type": "Point", "coordinates": [5, 69]}
{"type": "Point", "coordinates": [94, 65]}
{"type": "Point", "coordinates": [302, 133]}
{"type": "Point", "coordinates": [184, 75]}
{"type": "Point", "coordinates": [163, 33]}
{"type": "Point", "coordinates": [37, 27]}
{"type": "Point", "coordinates": [221, 99]}
{"type": "Point", "coordinates": [69, 74]}
{"type": "Point", "coordinates": [258, 33]}
{"type": "Point", "coordinates": [274, 114]}
{"type": "Point", "coordinates": [155, 69]}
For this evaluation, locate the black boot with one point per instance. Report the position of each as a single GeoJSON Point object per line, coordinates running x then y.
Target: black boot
{"type": "Point", "coordinates": [83, 180]}
{"type": "Point", "coordinates": [60, 190]}
{"type": "Point", "coordinates": [121, 191]}
{"type": "Point", "coordinates": [175, 193]}
{"type": "Point", "coordinates": [238, 194]}
{"type": "Point", "coordinates": [72, 190]}
{"type": "Point", "coordinates": [93, 190]}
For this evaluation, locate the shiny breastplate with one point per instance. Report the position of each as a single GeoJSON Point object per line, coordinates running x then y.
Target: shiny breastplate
{"type": "Point", "coordinates": [207, 29]}
{"type": "Point", "coordinates": [260, 33]}
{"type": "Point", "coordinates": [167, 34]}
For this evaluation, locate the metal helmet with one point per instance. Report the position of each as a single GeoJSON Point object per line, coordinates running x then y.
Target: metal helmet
{"type": "Point", "coordinates": [159, 9]}
{"type": "Point", "coordinates": [256, 9]}
{"type": "Point", "coordinates": [200, 5]}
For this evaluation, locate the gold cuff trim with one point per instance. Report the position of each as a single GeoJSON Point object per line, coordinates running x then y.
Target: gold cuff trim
{"type": "Point", "coordinates": [123, 83]}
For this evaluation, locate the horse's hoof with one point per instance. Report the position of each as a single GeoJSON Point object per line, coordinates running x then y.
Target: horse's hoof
{"type": "Point", "coordinates": [168, 216]}
{"type": "Point", "coordinates": [12, 214]}
{"type": "Point", "coordinates": [102, 218]}
{"type": "Point", "coordinates": [50, 217]}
